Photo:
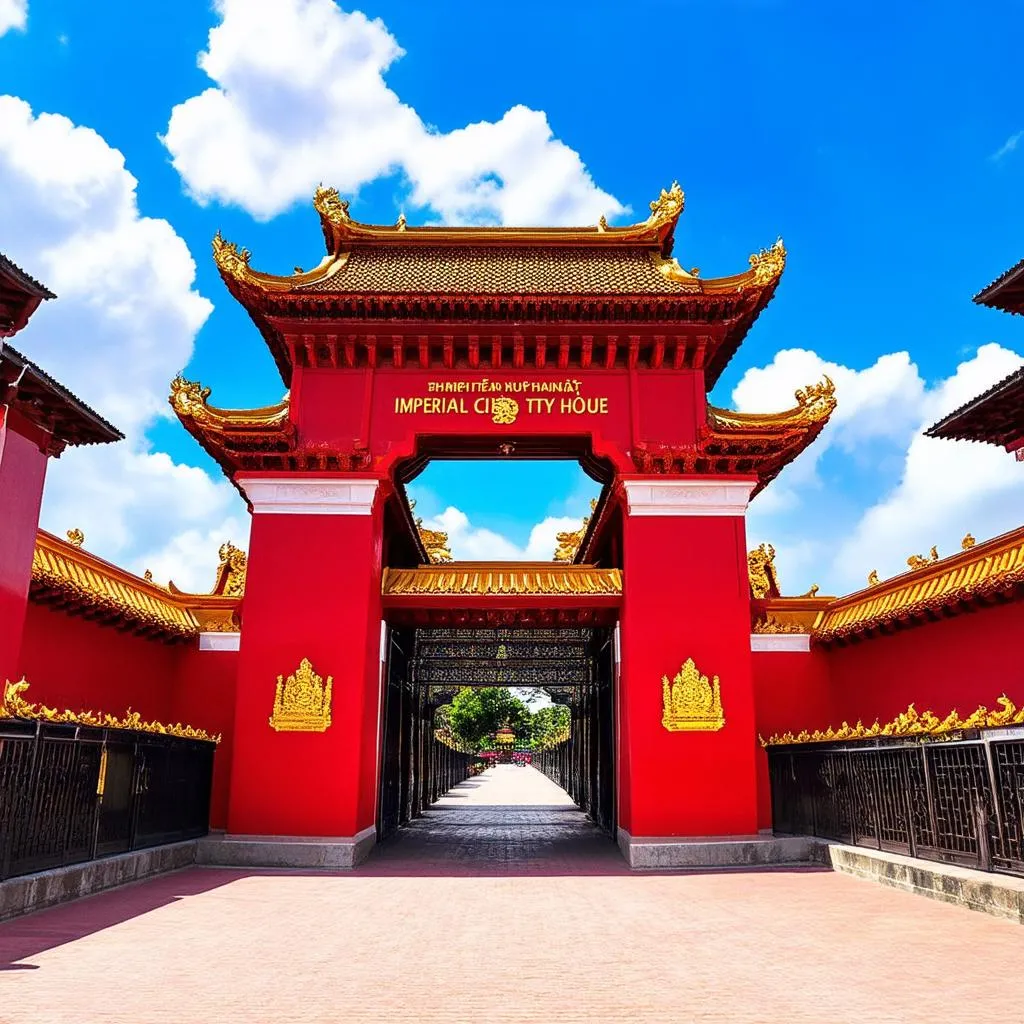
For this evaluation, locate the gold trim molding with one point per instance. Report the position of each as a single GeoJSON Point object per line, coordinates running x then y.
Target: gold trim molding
{"type": "Point", "coordinates": [909, 723]}
{"type": "Point", "coordinates": [502, 579]}
{"type": "Point", "coordinates": [690, 703]}
{"type": "Point", "coordinates": [302, 702]}
{"type": "Point", "coordinates": [14, 705]}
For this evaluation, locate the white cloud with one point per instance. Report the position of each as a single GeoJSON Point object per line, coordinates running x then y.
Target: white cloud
{"type": "Point", "coordinates": [475, 543]}
{"type": "Point", "coordinates": [123, 324]}
{"type": "Point", "coordinates": [1008, 146]}
{"type": "Point", "coordinates": [300, 98]}
{"type": "Point", "coordinates": [914, 491]}
{"type": "Point", "coordinates": [13, 14]}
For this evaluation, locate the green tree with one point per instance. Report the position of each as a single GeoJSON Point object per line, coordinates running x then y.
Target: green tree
{"type": "Point", "coordinates": [476, 712]}
{"type": "Point", "coordinates": [550, 725]}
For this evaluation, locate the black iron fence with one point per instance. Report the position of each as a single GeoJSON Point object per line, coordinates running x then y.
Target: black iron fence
{"type": "Point", "coordinates": [70, 793]}
{"type": "Point", "coordinates": [956, 800]}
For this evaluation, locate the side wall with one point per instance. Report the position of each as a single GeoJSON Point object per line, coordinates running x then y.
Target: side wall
{"type": "Point", "coordinates": [959, 663]}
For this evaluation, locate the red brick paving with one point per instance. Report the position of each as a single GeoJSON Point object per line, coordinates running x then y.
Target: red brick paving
{"type": "Point", "coordinates": [504, 905]}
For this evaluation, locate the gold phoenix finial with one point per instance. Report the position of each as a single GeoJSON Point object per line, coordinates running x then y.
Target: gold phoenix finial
{"type": "Point", "coordinates": [76, 538]}
{"type": "Point", "coordinates": [768, 264]}
{"type": "Point", "coordinates": [690, 703]}
{"type": "Point", "coordinates": [968, 542]}
{"type": "Point", "coordinates": [302, 702]}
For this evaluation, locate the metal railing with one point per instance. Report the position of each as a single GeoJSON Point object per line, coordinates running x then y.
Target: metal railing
{"type": "Point", "coordinates": [957, 800]}
{"type": "Point", "coordinates": [71, 793]}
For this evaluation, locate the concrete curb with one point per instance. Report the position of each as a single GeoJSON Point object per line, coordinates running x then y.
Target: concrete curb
{"type": "Point", "coordinates": [28, 893]}
{"type": "Point", "coordinates": [311, 853]}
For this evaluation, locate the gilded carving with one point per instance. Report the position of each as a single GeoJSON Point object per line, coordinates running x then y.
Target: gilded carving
{"type": "Point", "coordinates": [968, 542]}
{"type": "Point", "coordinates": [761, 570]}
{"type": "Point", "coordinates": [76, 538]}
{"type": "Point", "coordinates": [523, 579]}
{"type": "Point", "coordinates": [909, 723]}
{"type": "Point", "coordinates": [773, 625]}
{"type": "Point", "coordinates": [302, 702]}
{"type": "Point", "coordinates": [873, 579]}
{"type": "Point", "coordinates": [690, 703]}
{"type": "Point", "coordinates": [229, 258]}
{"type": "Point", "coordinates": [569, 541]}
{"type": "Point", "coordinates": [435, 542]}
{"type": "Point", "coordinates": [667, 206]}
{"type": "Point", "coordinates": [231, 571]}
{"type": "Point", "coordinates": [768, 264]}
{"type": "Point", "coordinates": [14, 705]}
{"type": "Point", "coordinates": [330, 205]}
{"type": "Point", "coordinates": [918, 562]}
{"type": "Point", "coordinates": [188, 398]}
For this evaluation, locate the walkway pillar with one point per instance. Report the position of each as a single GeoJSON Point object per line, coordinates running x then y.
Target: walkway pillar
{"type": "Point", "coordinates": [686, 595]}
{"type": "Point", "coordinates": [312, 592]}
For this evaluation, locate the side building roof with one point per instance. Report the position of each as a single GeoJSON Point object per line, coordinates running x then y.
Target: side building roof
{"type": "Point", "coordinates": [1006, 292]}
{"type": "Point", "coordinates": [995, 417]}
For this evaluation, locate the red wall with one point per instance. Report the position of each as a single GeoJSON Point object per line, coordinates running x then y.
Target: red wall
{"type": "Point", "coordinates": [22, 471]}
{"type": "Point", "coordinates": [954, 663]}
{"type": "Point", "coordinates": [73, 662]}
{"type": "Point", "coordinates": [791, 688]}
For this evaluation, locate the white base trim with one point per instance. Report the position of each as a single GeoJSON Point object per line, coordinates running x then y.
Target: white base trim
{"type": "Point", "coordinates": [349, 496]}
{"type": "Point", "coordinates": [780, 641]}
{"type": "Point", "coordinates": [327, 853]}
{"type": "Point", "coordinates": [219, 641]}
{"type": "Point", "coordinates": [674, 497]}
{"type": "Point", "coordinates": [718, 851]}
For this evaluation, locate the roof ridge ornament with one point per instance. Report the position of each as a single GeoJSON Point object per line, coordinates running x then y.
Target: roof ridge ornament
{"type": "Point", "coordinates": [229, 258]}
{"type": "Point", "coordinates": [329, 204]}
{"type": "Point", "coordinates": [768, 264]}
{"type": "Point", "coordinates": [817, 401]}
{"type": "Point", "coordinates": [668, 206]}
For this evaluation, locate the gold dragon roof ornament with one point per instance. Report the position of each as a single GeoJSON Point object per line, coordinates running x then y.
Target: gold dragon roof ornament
{"type": "Point", "coordinates": [919, 562]}
{"type": "Point", "coordinates": [690, 703]}
{"type": "Point", "coordinates": [230, 580]}
{"type": "Point", "coordinates": [569, 541]}
{"type": "Point", "coordinates": [761, 570]}
{"type": "Point", "coordinates": [817, 401]}
{"type": "Point", "coordinates": [302, 702]}
{"type": "Point", "coordinates": [768, 264]}
{"type": "Point", "coordinates": [330, 205]}
{"type": "Point", "coordinates": [229, 258]}
{"type": "Point", "coordinates": [668, 206]}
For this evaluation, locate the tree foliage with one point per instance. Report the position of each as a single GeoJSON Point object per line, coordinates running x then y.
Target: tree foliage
{"type": "Point", "coordinates": [478, 712]}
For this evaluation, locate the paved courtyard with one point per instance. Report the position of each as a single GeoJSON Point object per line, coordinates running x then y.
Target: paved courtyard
{"type": "Point", "coordinates": [504, 904]}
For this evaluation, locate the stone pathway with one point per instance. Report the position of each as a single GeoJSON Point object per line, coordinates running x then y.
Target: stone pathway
{"type": "Point", "coordinates": [505, 905]}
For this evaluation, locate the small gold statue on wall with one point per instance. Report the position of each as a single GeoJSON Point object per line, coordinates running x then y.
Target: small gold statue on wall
{"type": "Point", "coordinates": [302, 702]}
{"type": "Point", "coordinates": [690, 702]}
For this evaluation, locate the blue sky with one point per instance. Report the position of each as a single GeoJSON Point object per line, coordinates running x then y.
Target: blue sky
{"type": "Point", "coordinates": [883, 143]}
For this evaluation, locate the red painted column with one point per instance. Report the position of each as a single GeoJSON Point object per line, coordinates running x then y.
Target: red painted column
{"type": "Point", "coordinates": [22, 472]}
{"type": "Point", "coordinates": [312, 591]}
{"type": "Point", "coordinates": [686, 595]}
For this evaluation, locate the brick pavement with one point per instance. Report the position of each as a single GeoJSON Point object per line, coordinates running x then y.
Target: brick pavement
{"type": "Point", "coordinates": [504, 905]}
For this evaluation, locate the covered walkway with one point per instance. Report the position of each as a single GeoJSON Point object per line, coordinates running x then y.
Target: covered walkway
{"type": "Point", "coordinates": [505, 904]}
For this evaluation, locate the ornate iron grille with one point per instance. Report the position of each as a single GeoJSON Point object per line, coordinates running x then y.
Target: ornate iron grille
{"type": "Point", "coordinates": [70, 794]}
{"type": "Point", "coordinates": [1008, 768]}
{"type": "Point", "coordinates": [958, 800]}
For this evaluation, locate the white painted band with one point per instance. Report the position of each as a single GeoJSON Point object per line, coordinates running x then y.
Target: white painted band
{"type": "Point", "coordinates": [780, 641]}
{"type": "Point", "coordinates": [329, 497]}
{"type": "Point", "coordinates": [673, 497]}
{"type": "Point", "coordinates": [219, 641]}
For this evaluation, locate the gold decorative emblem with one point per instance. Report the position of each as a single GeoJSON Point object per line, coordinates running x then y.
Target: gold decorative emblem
{"type": "Point", "coordinates": [302, 702]}
{"type": "Point", "coordinates": [690, 702]}
{"type": "Point", "coordinates": [504, 410]}
{"type": "Point", "coordinates": [76, 538]}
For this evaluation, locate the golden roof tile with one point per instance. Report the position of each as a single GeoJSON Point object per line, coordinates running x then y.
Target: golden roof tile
{"type": "Point", "coordinates": [502, 579]}
{"type": "Point", "coordinates": [985, 571]}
